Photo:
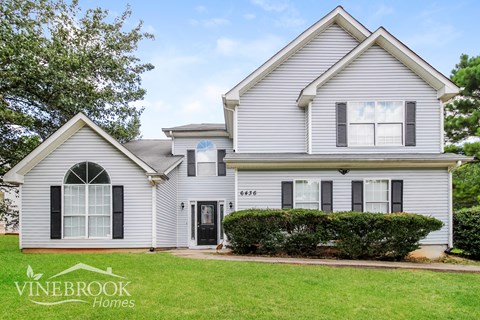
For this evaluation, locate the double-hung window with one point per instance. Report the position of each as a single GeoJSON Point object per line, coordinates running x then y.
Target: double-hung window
{"type": "Point", "coordinates": [206, 158]}
{"type": "Point", "coordinates": [376, 123]}
{"type": "Point", "coordinates": [377, 195]}
{"type": "Point", "coordinates": [307, 194]}
{"type": "Point", "coordinates": [87, 202]}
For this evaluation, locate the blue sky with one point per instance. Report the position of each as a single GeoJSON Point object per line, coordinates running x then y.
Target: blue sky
{"type": "Point", "coordinates": [203, 48]}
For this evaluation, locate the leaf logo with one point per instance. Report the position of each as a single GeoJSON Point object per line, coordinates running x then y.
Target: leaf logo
{"type": "Point", "coordinates": [32, 275]}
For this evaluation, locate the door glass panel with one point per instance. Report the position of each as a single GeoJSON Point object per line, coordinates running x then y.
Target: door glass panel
{"type": "Point", "coordinates": [207, 214]}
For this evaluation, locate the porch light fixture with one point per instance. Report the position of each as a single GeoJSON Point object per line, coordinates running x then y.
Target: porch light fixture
{"type": "Point", "coordinates": [344, 171]}
{"type": "Point", "coordinates": [182, 205]}
{"type": "Point", "coordinates": [230, 205]}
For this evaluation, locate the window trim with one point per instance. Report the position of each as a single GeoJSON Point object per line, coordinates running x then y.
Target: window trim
{"type": "Point", "coordinates": [86, 236]}
{"type": "Point", "coordinates": [389, 209]}
{"type": "Point", "coordinates": [216, 160]}
{"type": "Point", "coordinates": [319, 181]}
{"type": "Point", "coordinates": [375, 124]}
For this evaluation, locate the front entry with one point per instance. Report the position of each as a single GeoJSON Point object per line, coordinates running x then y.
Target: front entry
{"type": "Point", "coordinates": [207, 223]}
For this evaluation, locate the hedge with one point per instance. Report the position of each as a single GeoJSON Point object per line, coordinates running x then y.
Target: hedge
{"type": "Point", "coordinates": [362, 235]}
{"type": "Point", "coordinates": [295, 231]}
{"type": "Point", "coordinates": [466, 231]}
{"type": "Point", "coordinates": [300, 231]}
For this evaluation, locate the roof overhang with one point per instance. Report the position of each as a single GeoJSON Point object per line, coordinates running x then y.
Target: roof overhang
{"type": "Point", "coordinates": [446, 89]}
{"type": "Point", "coordinates": [338, 15]}
{"type": "Point", "coordinates": [16, 174]}
{"type": "Point", "coordinates": [275, 162]}
{"type": "Point", "coordinates": [188, 134]}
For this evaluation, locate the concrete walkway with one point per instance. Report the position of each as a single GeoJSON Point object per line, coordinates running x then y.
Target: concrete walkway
{"type": "Point", "coordinates": [225, 255]}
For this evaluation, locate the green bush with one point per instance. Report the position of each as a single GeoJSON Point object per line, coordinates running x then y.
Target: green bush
{"type": "Point", "coordinates": [300, 231]}
{"type": "Point", "coordinates": [466, 231]}
{"type": "Point", "coordinates": [295, 231]}
{"type": "Point", "coordinates": [362, 235]}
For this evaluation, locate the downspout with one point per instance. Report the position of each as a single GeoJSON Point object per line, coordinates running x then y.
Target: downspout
{"type": "Point", "coordinates": [450, 206]}
{"type": "Point", "coordinates": [173, 142]}
{"type": "Point", "coordinates": [154, 214]}
{"type": "Point", "coordinates": [20, 215]}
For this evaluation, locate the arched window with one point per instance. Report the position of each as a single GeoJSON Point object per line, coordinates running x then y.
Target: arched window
{"type": "Point", "coordinates": [87, 202]}
{"type": "Point", "coordinates": [206, 158]}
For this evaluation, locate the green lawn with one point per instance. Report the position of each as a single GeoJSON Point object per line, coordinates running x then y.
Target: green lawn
{"type": "Point", "coordinates": [168, 287]}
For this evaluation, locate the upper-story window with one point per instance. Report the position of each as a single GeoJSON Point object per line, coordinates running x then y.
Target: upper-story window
{"type": "Point", "coordinates": [87, 202]}
{"type": "Point", "coordinates": [376, 123]}
{"type": "Point", "coordinates": [206, 158]}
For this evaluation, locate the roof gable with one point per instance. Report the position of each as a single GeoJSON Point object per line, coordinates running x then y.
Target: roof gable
{"type": "Point", "coordinates": [16, 174]}
{"type": "Point", "coordinates": [446, 89]}
{"type": "Point", "coordinates": [338, 16]}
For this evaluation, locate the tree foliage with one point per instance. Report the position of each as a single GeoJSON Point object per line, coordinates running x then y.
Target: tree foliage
{"type": "Point", "coordinates": [466, 178]}
{"type": "Point", "coordinates": [57, 60]}
{"type": "Point", "coordinates": [462, 116]}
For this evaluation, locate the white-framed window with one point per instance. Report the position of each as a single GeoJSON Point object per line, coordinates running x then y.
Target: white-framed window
{"type": "Point", "coordinates": [307, 194]}
{"type": "Point", "coordinates": [377, 195]}
{"type": "Point", "coordinates": [206, 158]}
{"type": "Point", "coordinates": [87, 199]}
{"type": "Point", "coordinates": [376, 123]}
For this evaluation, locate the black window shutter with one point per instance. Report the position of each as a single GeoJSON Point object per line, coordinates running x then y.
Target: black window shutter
{"type": "Point", "coordinates": [117, 212]}
{"type": "Point", "coordinates": [397, 195]}
{"type": "Point", "coordinates": [410, 123]}
{"type": "Point", "coordinates": [191, 166]}
{"type": "Point", "coordinates": [55, 212]}
{"type": "Point", "coordinates": [357, 196]}
{"type": "Point", "coordinates": [341, 124]}
{"type": "Point", "coordinates": [222, 167]}
{"type": "Point", "coordinates": [327, 196]}
{"type": "Point", "coordinates": [287, 194]}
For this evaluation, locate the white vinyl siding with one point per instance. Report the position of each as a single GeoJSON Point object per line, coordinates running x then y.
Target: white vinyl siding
{"type": "Point", "coordinates": [269, 119]}
{"type": "Point", "coordinates": [200, 188]}
{"type": "Point", "coordinates": [167, 211]}
{"type": "Point", "coordinates": [425, 190]}
{"type": "Point", "coordinates": [376, 76]}
{"type": "Point", "coordinates": [86, 145]}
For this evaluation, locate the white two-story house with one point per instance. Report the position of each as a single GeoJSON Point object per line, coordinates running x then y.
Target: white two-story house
{"type": "Point", "coordinates": [340, 119]}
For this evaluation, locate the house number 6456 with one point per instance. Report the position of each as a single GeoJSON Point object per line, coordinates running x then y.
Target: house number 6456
{"type": "Point", "coordinates": [248, 193]}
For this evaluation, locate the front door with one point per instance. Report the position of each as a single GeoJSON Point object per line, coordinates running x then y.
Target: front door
{"type": "Point", "coordinates": [207, 223]}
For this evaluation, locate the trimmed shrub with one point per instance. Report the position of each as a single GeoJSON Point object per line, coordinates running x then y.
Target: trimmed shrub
{"type": "Point", "coordinates": [295, 231]}
{"type": "Point", "coordinates": [466, 231]}
{"type": "Point", "coordinates": [361, 235]}
{"type": "Point", "coordinates": [357, 235]}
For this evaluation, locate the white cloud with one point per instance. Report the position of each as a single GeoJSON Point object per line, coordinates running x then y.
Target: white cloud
{"type": "Point", "coordinates": [207, 101]}
{"type": "Point", "coordinates": [212, 22]}
{"type": "Point", "coordinates": [435, 36]}
{"type": "Point", "coordinates": [226, 46]}
{"type": "Point", "coordinates": [263, 47]}
{"type": "Point", "coordinates": [286, 14]}
{"type": "Point", "coordinates": [272, 5]}
{"type": "Point", "coordinates": [433, 31]}
{"type": "Point", "coordinates": [201, 9]}
{"type": "Point", "coordinates": [383, 10]}
{"type": "Point", "coordinates": [249, 16]}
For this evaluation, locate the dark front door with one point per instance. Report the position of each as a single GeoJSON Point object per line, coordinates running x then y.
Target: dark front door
{"type": "Point", "coordinates": [207, 223]}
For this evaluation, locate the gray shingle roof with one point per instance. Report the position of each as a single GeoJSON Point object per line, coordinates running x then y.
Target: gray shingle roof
{"type": "Point", "coordinates": [157, 153]}
{"type": "Point", "coordinates": [198, 127]}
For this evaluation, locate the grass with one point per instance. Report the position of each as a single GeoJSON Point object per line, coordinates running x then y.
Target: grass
{"type": "Point", "coordinates": [168, 287]}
